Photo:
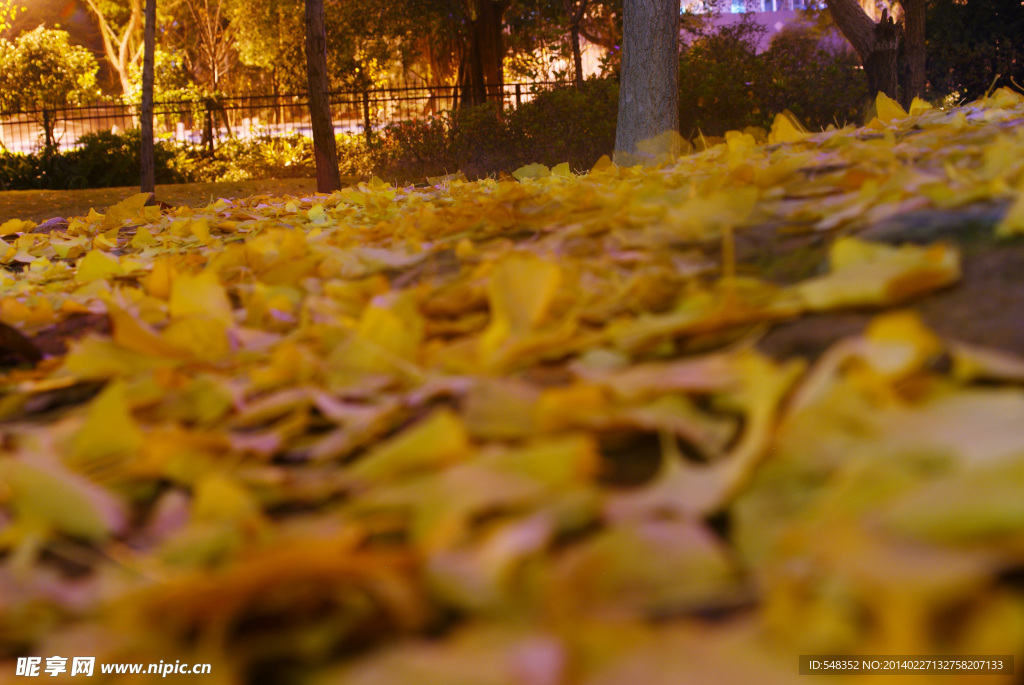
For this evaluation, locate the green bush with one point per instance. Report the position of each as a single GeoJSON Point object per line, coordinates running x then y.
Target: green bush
{"type": "Point", "coordinates": [260, 157]}
{"type": "Point", "coordinates": [725, 84]}
{"type": "Point", "coordinates": [568, 125]}
{"type": "Point", "coordinates": [106, 159]}
{"type": "Point", "coordinates": [969, 45]}
{"type": "Point", "coordinates": [101, 160]}
{"type": "Point", "coordinates": [721, 79]}
{"type": "Point", "coordinates": [821, 85]}
{"type": "Point", "coordinates": [237, 159]}
{"type": "Point", "coordinates": [414, 149]}
{"type": "Point", "coordinates": [560, 125]}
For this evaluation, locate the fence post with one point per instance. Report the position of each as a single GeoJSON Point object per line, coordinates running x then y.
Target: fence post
{"type": "Point", "coordinates": [519, 96]}
{"type": "Point", "coordinates": [366, 116]}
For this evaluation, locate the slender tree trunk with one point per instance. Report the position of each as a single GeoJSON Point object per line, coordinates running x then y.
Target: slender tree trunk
{"type": "Point", "coordinates": [325, 149]}
{"type": "Point", "coordinates": [914, 35]}
{"type": "Point", "coordinates": [577, 56]}
{"type": "Point", "coordinates": [483, 78]}
{"type": "Point", "coordinates": [146, 153]}
{"type": "Point", "coordinates": [576, 9]}
{"type": "Point", "coordinates": [877, 44]}
{"type": "Point", "coordinates": [119, 49]}
{"type": "Point", "coordinates": [648, 86]}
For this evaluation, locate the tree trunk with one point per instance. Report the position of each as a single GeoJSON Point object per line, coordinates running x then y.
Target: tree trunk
{"type": "Point", "coordinates": [146, 152]}
{"type": "Point", "coordinates": [877, 44]}
{"type": "Point", "coordinates": [648, 85]}
{"type": "Point", "coordinates": [577, 56]}
{"type": "Point", "coordinates": [325, 149]}
{"type": "Point", "coordinates": [119, 49]}
{"type": "Point", "coordinates": [914, 35]}
{"type": "Point", "coordinates": [483, 77]}
{"type": "Point", "coordinates": [576, 9]}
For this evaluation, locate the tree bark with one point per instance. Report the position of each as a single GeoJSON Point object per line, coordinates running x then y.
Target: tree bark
{"type": "Point", "coordinates": [576, 9]}
{"type": "Point", "coordinates": [648, 86]}
{"type": "Point", "coordinates": [877, 44]}
{"type": "Point", "coordinates": [914, 35]}
{"type": "Point", "coordinates": [577, 56]}
{"type": "Point", "coordinates": [483, 77]}
{"type": "Point", "coordinates": [325, 148]}
{"type": "Point", "coordinates": [146, 152]}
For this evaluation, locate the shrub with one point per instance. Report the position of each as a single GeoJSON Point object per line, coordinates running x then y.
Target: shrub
{"type": "Point", "coordinates": [105, 159]}
{"type": "Point", "coordinates": [568, 125]}
{"type": "Point", "coordinates": [559, 125]}
{"type": "Point", "coordinates": [968, 46]}
{"type": "Point", "coordinates": [818, 82]}
{"type": "Point", "coordinates": [725, 84]}
{"type": "Point", "coordinates": [102, 160]}
{"type": "Point", "coordinates": [721, 81]}
{"type": "Point", "coordinates": [260, 157]}
{"type": "Point", "coordinates": [413, 149]}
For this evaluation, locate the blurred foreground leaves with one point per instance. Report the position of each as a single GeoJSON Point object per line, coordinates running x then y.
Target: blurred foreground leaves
{"type": "Point", "coordinates": [516, 430]}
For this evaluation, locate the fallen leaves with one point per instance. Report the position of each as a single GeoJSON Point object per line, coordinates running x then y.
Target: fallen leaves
{"type": "Point", "coordinates": [325, 423]}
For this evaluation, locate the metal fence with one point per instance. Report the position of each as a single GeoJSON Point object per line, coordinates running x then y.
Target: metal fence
{"type": "Point", "coordinates": [206, 122]}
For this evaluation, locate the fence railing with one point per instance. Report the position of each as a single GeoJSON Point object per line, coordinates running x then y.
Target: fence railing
{"type": "Point", "coordinates": [206, 122]}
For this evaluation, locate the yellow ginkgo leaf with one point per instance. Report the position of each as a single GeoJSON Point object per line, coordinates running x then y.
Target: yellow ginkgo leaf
{"type": "Point", "coordinates": [604, 163]}
{"type": "Point", "coordinates": [887, 109]}
{"type": "Point", "coordinates": [110, 431]}
{"type": "Point", "coordinates": [124, 210]}
{"type": "Point", "coordinates": [200, 295]}
{"type": "Point", "coordinates": [531, 171]}
{"type": "Point", "coordinates": [97, 264]}
{"type": "Point", "coordinates": [142, 238]}
{"type": "Point", "coordinates": [520, 291]}
{"type": "Point", "coordinates": [137, 336]}
{"type": "Point", "coordinates": [48, 495]}
{"type": "Point", "coordinates": [388, 336]}
{"type": "Point", "coordinates": [158, 282]}
{"type": "Point", "coordinates": [786, 129]}
{"type": "Point", "coordinates": [16, 226]}
{"type": "Point", "coordinates": [220, 498]}
{"type": "Point", "coordinates": [436, 441]}
{"type": "Point", "coordinates": [865, 273]}
{"type": "Point", "coordinates": [919, 106]}
{"type": "Point", "coordinates": [1005, 97]}
{"type": "Point", "coordinates": [202, 338]}
{"type": "Point", "coordinates": [1012, 222]}
{"type": "Point", "coordinates": [899, 343]}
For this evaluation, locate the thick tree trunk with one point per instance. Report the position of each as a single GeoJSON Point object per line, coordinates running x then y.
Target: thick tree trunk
{"type": "Point", "coordinates": [483, 76]}
{"type": "Point", "coordinates": [146, 152]}
{"type": "Point", "coordinates": [325, 149]}
{"type": "Point", "coordinates": [648, 88]}
{"type": "Point", "coordinates": [877, 44]}
{"type": "Point", "coordinates": [914, 35]}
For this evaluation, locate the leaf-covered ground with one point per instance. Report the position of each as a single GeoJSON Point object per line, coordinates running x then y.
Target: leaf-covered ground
{"type": "Point", "coordinates": [40, 205]}
{"type": "Point", "coordinates": [541, 430]}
